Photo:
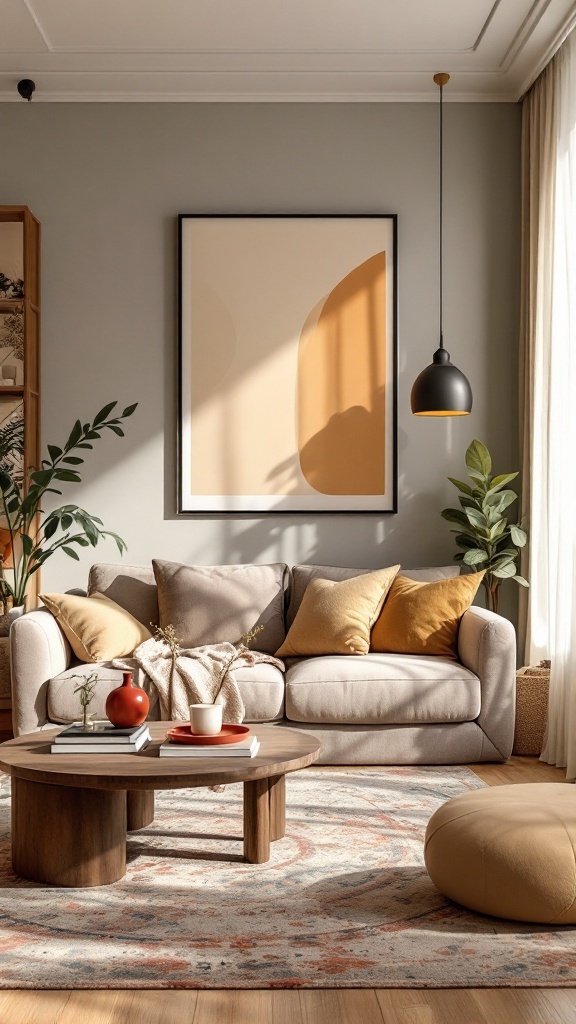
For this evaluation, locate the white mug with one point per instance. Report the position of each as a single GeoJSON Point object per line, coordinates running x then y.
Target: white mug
{"type": "Point", "coordinates": [206, 719]}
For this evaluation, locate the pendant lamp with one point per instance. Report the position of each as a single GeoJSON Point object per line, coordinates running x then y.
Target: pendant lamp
{"type": "Point", "coordinates": [441, 389]}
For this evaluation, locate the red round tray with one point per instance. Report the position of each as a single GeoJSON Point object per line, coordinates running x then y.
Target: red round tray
{"type": "Point", "coordinates": [227, 734]}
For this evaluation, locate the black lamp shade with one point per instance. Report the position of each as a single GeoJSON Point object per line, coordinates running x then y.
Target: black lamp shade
{"type": "Point", "coordinates": [441, 389]}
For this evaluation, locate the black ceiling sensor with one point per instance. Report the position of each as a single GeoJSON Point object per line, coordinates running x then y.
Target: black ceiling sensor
{"type": "Point", "coordinates": [26, 87]}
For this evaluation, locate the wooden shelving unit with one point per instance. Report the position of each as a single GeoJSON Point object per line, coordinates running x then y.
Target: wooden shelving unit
{"type": "Point", "coordinates": [25, 255]}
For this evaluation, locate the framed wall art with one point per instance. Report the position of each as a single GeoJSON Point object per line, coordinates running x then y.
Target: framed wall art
{"type": "Point", "coordinates": [288, 364]}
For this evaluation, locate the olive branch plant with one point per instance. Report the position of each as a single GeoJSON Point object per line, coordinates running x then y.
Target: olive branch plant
{"type": "Point", "coordinates": [34, 535]}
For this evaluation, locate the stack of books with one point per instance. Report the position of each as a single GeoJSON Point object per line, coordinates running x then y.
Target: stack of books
{"type": "Point", "coordinates": [247, 747]}
{"type": "Point", "coordinates": [103, 738]}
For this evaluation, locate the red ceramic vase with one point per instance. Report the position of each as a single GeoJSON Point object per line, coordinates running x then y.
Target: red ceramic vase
{"type": "Point", "coordinates": [127, 705]}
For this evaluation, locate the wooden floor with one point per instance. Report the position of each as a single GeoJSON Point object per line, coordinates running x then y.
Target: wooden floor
{"type": "Point", "coordinates": [331, 1006]}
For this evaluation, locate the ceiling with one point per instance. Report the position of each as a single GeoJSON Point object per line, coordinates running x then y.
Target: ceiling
{"type": "Point", "coordinates": [277, 50]}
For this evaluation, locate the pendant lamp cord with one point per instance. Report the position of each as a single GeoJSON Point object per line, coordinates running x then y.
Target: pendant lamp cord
{"type": "Point", "coordinates": [441, 221]}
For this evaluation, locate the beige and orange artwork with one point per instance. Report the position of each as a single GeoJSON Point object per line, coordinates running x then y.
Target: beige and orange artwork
{"type": "Point", "coordinates": [289, 364]}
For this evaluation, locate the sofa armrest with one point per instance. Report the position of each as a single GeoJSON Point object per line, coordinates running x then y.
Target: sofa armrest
{"type": "Point", "coordinates": [487, 646]}
{"type": "Point", "coordinates": [38, 651]}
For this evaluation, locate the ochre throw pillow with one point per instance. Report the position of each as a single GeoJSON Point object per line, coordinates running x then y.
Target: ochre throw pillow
{"type": "Point", "coordinates": [423, 618]}
{"type": "Point", "coordinates": [336, 618]}
{"type": "Point", "coordinates": [97, 628]}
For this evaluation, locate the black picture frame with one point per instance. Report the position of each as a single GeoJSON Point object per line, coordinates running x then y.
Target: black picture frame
{"type": "Point", "coordinates": [197, 339]}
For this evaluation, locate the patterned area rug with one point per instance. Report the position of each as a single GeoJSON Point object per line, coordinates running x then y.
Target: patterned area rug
{"type": "Point", "coordinates": [344, 902]}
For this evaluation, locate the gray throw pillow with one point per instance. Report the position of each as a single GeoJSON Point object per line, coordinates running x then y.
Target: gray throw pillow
{"type": "Point", "coordinates": [210, 604]}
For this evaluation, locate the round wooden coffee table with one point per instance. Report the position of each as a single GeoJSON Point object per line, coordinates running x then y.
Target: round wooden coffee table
{"type": "Point", "coordinates": [71, 812]}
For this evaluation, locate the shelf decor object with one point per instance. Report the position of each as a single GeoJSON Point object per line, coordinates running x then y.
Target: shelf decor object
{"type": "Point", "coordinates": [288, 362]}
{"type": "Point", "coordinates": [19, 354]}
{"type": "Point", "coordinates": [441, 389]}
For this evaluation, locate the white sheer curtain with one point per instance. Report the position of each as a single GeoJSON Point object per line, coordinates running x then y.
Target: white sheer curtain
{"type": "Point", "coordinates": [550, 394]}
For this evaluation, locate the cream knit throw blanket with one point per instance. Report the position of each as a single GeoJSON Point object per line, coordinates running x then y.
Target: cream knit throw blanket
{"type": "Point", "coordinates": [198, 675]}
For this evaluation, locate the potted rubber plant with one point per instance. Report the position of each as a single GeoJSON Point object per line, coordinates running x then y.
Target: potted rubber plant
{"type": "Point", "coordinates": [485, 536]}
{"type": "Point", "coordinates": [32, 536]}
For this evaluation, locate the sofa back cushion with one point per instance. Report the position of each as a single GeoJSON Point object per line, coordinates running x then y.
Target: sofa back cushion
{"type": "Point", "coordinates": [301, 576]}
{"type": "Point", "coordinates": [131, 586]}
{"type": "Point", "coordinates": [209, 604]}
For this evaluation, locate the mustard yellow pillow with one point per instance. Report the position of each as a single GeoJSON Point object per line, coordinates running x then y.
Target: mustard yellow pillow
{"type": "Point", "coordinates": [97, 628]}
{"type": "Point", "coordinates": [336, 618]}
{"type": "Point", "coordinates": [423, 618]}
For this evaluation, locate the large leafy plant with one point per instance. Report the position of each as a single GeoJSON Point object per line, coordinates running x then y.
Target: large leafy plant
{"type": "Point", "coordinates": [488, 541]}
{"type": "Point", "coordinates": [34, 535]}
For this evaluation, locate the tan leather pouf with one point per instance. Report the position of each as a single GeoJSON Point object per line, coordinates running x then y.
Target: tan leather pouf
{"type": "Point", "coordinates": [508, 851]}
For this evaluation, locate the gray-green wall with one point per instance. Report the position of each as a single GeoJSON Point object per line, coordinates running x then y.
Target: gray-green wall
{"type": "Point", "coordinates": [107, 181]}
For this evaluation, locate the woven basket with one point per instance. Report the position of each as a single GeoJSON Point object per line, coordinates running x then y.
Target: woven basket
{"type": "Point", "coordinates": [532, 685]}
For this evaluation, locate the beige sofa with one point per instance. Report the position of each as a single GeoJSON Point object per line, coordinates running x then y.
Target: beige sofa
{"type": "Point", "coordinates": [372, 709]}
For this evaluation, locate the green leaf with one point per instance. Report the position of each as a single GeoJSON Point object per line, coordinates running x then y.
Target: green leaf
{"type": "Point", "coordinates": [50, 527]}
{"type": "Point", "coordinates": [66, 521]}
{"type": "Point", "coordinates": [476, 518]}
{"type": "Point", "coordinates": [474, 556]}
{"type": "Point", "coordinates": [27, 543]}
{"type": "Point", "coordinates": [117, 430]}
{"type": "Point", "coordinates": [41, 477]}
{"type": "Point", "coordinates": [129, 410]}
{"type": "Point", "coordinates": [467, 502]}
{"type": "Point", "coordinates": [73, 554]}
{"type": "Point", "coordinates": [104, 413]}
{"type": "Point", "coordinates": [121, 545]}
{"type": "Point", "coordinates": [521, 581]}
{"type": "Point", "coordinates": [454, 515]}
{"type": "Point", "coordinates": [464, 540]}
{"type": "Point", "coordinates": [518, 535]}
{"type": "Point", "coordinates": [504, 572]}
{"type": "Point", "coordinates": [72, 460]}
{"type": "Point", "coordinates": [6, 482]}
{"type": "Point", "coordinates": [465, 488]}
{"type": "Point", "coordinates": [478, 459]}
{"type": "Point", "coordinates": [69, 475]}
{"type": "Point", "coordinates": [497, 482]}
{"type": "Point", "coordinates": [499, 529]}
{"type": "Point", "coordinates": [54, 452]}
{"type": "Point", "coordinates": [92, 435]}
{"type": "Point", "coordinates": [84, 444]}
{"type": "Point", "coordinates": [500, 500]}
{"type": "Point", "coordinates": [480, 479]}
{"type": "Point", "coordinates": [75, 435]}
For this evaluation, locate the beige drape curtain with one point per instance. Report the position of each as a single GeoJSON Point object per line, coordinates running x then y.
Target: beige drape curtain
{"type": "Point", "coordinates": [548, 386]}
{"type": "Point", "coordinates": [538, 162]}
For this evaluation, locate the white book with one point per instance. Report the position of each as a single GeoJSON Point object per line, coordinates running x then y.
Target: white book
{"type": "Point", "coordinates": [169, 749]}
{"type": "Point", "coordinates": [102, 748]}
{"type": "Point", "coordinates": [101, 732]}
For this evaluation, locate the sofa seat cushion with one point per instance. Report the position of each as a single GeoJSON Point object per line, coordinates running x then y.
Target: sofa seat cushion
{"type": "Point", "coordinates": [261, 688]}
{"type": "Point", "coordinates": [381, 689]}
{"type": "Point", "coordinates": [63, 705]}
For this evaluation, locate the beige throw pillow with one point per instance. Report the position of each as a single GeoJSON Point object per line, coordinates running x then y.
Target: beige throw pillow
{"type": "Point", "coordinates": [97, 628]}
{"type": "Point", "coordinates": [336, 618]}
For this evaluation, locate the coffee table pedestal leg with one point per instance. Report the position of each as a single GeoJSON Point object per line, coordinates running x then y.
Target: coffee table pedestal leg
{"type": "Point", "coordinates": [139, 808]}
{"type": "Point", "coordinates": [277, 790]}
{"type": "Point", "coordinates": [256, 821]}
{"type": "Point", "coordinates": [69, 837]}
